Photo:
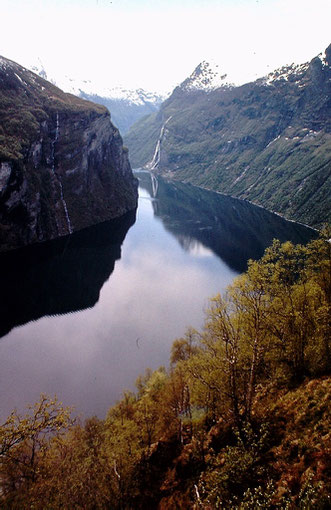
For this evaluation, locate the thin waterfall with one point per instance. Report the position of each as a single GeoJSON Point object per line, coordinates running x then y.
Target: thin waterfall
{"type": "Point", "coordinates": [64, 203]}
{"type": "Point", "coordinates": [157, 153]}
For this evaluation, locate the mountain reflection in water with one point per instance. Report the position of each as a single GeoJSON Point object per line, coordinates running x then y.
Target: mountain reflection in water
{"type": "Point", "coordinates": [60, 276]}
{"type": "Point", "coordinates": [186, 245]}
{"type": "Point", "coordinates": [233, 229]}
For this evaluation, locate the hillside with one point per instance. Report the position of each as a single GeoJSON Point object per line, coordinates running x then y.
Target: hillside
{"type": "Point", "coordinates": [268, 141]}
{"type": "Point", "coordinates": [62, 163]}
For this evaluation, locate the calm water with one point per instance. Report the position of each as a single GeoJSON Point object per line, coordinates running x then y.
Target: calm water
{"type": "Point", "coordinates": [82, 317]}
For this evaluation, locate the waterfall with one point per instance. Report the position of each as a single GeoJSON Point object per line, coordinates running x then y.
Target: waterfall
{"type": "Point", "coordinates": [157, 153]}
{"type": "Point", "coordinates": [156, 158]}
{"type": "Point", "coordinates": [58, 179]}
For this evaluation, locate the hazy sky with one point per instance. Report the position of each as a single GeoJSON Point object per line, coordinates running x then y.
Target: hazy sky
{"type": "Point", "coordinates": [156, 44]}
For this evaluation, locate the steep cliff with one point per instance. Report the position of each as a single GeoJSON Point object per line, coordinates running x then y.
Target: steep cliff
{"type": "Point", "coordinates": [268, 141]}
{"type": "Point", "coordinates": [62, 163]}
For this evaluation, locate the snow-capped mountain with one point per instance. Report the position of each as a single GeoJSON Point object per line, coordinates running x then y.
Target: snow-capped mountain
{"type": "Point", "coordinates": [294, 73]}
{"type": "Point", "coordinates": [125, 105]}
{"type": "Point", "coordinates": [206, 76]}
{"type": "Point", "coordinates": [88, 87]}
{"type": "Point", "coordinates": [261, 141]}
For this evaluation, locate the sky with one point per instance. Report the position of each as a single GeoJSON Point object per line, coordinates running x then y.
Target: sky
{"type": "Point", "coordinates": [156, 44]}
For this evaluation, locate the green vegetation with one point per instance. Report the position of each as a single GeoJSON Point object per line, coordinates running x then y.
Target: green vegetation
{"type": "Point", "coordinates": [267, 143]}
{"type": "Point", "coordinates": [26, 100]}
{"type": "Point", "coordinates": [239, 421]}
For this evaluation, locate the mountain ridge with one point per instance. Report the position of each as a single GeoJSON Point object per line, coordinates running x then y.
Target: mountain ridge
{"type": "Point", "coordinates": [267, 141]}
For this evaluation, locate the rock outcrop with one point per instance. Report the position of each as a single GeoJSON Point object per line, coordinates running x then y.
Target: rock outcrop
{"type": "Point", "coordinates": [63, 166]}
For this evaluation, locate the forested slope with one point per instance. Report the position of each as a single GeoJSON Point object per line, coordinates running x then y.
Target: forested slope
{"type": "Point", "coordinates": [240, 420]}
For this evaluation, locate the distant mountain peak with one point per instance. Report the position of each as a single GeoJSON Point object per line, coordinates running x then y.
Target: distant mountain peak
{"type": "Point", "coordinates": [206, 76]}
{"type": "Point", "coordinates": [130, 96]}
{"type": "Point", "coordinates": [126, 105]}
{"type": "Point", "coordinates": [83, 87]}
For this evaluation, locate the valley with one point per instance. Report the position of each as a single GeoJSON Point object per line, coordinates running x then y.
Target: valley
{"type": "Point", "coordinates": [165, 257]}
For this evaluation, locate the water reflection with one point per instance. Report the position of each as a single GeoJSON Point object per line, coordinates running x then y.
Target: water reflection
{"type": "Point", "coordinates": [233, 229]}
{"type": "Point", "coordinates": [59, 276]}
{"type": "Point", "coordinates": [182, 249]}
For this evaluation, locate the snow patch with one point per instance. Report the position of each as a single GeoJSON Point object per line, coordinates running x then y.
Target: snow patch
{"type": "Point", "coordinates": [240, 176]}
{"type": "Point", "coordinates": [206, 76]}
{"type": "Point", "coordinates": [322, 57]}
{"type": "Point", "coordinates": [292, 72]}
{"type": "Point", "coordinates": [3, 63]}
{"type": "Point", "coordinates": [274, 140]}
{"type": "Point", "coordinates": [19, 77]}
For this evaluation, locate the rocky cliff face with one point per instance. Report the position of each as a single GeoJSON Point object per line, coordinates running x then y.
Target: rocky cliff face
{"type": "Point", "coordinates": [62, 163]}
{"type": "Point", "coordinates": [268, 141]}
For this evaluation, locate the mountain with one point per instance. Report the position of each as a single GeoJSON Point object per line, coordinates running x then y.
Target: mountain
{"type": "Point", "coordinates": [125, 105]}
{"type": "Point", "coordinates": [206, 76]}
{"type": "Point", "coordinates": [62, 163]}
{"type": "Point", "coordinates": [128, 109]}
{"type": "Point", "coordinates": [268, 141]}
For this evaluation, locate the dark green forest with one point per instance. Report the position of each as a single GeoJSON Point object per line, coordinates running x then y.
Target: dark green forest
{"type": "Point", "coordinates": [239, 420]}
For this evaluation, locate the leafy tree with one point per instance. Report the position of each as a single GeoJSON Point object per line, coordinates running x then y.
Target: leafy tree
{"type": "Point", "coordinates": [24, 441]}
